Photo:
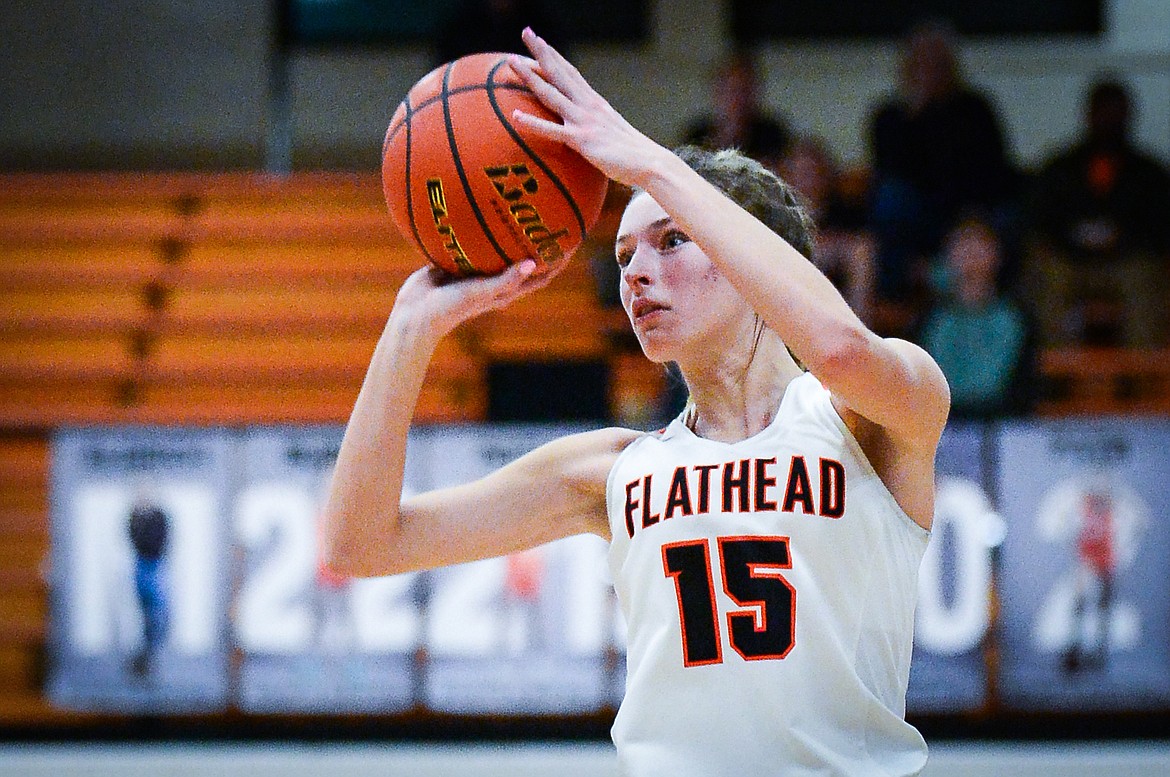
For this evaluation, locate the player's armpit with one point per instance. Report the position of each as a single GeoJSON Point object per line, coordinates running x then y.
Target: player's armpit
{"type": "Point", "coordinates": [896, 385]}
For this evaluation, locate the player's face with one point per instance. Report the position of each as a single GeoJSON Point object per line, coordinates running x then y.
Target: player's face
{"type": "Point", "coordinates": [677, 300]}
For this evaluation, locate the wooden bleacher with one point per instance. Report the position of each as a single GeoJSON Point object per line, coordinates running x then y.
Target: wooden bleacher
{"type": "Point", "coordinates": [240, 298]}
{"type": "Point", "coordinates": [1101, 381]}
{"type": "Point", "coordinates": [24, 545]}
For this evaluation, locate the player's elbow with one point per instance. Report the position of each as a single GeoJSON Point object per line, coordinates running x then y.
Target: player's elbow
{"type": "Point", "coordinates": [345, 556]}
{"type": "Point", "coordinates": [345, 565]}
{"type": "Point", "coordinates": [842, 353]}
{"type": "Point", "coordinates": [333, 562]}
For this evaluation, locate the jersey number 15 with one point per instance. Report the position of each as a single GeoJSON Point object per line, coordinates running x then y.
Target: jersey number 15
{"type": "Point", "coordinates": [764, 629]}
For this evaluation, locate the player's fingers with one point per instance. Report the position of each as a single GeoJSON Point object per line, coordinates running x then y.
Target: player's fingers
{"type": "Point", "coordinates": [517, 61]}
{"type": "Point", "coordinates": [543, 127]}
{"type": "Point", "coordinates": [492, 292]}
{"type": "Point", "coordinates": [560, 71]}
{"type": "Point", "coordinates": [525, 277]}
{"type": "Point", "coordinates": [549, 95]}
{"type": "Point", "coordinates": [552, 270]}
{"type": "Point", "coordinates": [517, 274]}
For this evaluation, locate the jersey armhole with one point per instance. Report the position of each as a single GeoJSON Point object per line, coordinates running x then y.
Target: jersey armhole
{"type": "Point", "coordinates": [855, 447]}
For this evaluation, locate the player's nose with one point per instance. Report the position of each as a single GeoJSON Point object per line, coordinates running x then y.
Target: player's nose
{"type": "Point", "coordinates": [641, 269]}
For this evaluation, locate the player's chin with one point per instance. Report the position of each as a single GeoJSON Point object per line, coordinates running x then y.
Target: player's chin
{"type": "Point", "coordinates": [656, 347]}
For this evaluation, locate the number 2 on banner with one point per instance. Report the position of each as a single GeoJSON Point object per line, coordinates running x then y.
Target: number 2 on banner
{"type": "Point", "coordinates": [273, 615]}
{"type": "Point", "coordinates": [764, 629]}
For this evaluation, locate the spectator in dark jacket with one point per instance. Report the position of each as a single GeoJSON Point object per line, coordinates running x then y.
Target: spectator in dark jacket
{"type": "Point", "coordinates": [937, 150]}
{"type": "Point", "coordinates": [1100, 228]}
{"type": "Point", "coordinates": [738, 119]}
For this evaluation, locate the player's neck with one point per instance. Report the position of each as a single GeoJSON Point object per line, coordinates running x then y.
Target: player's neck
{"type": "Point", "coordinates": [731, 404]}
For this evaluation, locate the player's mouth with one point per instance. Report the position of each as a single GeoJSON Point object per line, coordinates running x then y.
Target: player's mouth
{"type": "Point", "coordinates": [643, 310]}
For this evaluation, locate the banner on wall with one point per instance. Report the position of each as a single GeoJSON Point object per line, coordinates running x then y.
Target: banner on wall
{"type": "Point", "coordinates": [309, 639]}
{"type": "Point", "coordinates": [535, 632]}
{"type": "Point", "coordinates": [184, 577]}
{"type": "Point", "coordinates": [949, 671]}
{"type": "Point", "coordinates": [1085, 621]}
{"type": "Point", "coordinates": [138, 580]}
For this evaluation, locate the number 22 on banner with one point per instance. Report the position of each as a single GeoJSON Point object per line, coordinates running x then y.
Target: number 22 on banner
{"type": "Point", "coordinates": [749, 567]}
{"type": "Point", "coordinates": [277, 524]}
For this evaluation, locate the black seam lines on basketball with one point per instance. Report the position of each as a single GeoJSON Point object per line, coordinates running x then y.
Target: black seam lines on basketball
{"type": "Point", "coordinates": [463, 173]}
{"type": "Point", "coordinates": [457, 90]}
{"type": "Point", "coordinates": [409, 199]}
{"type": "Point", "coordinates": [491, 90]}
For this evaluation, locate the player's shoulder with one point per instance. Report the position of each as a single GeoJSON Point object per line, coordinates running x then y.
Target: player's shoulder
{"type": "Point", "coordinates": [581, 462]}
{"type": "Point", "coordinates": [565, 454]}
{"type": "Point", "coordinates": [609, 440]}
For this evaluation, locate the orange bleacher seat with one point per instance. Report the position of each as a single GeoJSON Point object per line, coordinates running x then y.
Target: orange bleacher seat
{"type": "Point", "coordinates": [24, 529]}
{"type": "Point", "coordinates": [78, 311]}
{"type": "Point", "coordinates": [228, 404]}
{"type": "Point", "coordinates": [62, 222]}
{"type": "Point", "coordinates": [170, 403]}
{"type": "Point", "coordinates": [22, 613]}
{"type": "Point", "coordinates": [454, 391]}
{"type": "Point", "coordinates": [308, 262]}
{"type": "Point", "coordinates": [80, 266]}
{"type": "Point", "coordinates": [555, 322]}
{"type": "Point", "coordinates": [110, 187]}
{"type": "Point", "coordinates": [24, 460]}
{"type": "Point", "coordinates": [47, 404]}
{"type": "Point", "coordinates": [363, 187]}
{"type": "Point", "coordinates": [258, 358]}
{"type": "Point", "coordinates": [18, 667]}
{"type": "Point", "coordinates": [316, 206]}
{"type": "Point", "coordinates": [1106, 380]}
{"type": "Point", "coordinates": [34, 358]}
{"type": "Point", "coordinates": [279, 311]}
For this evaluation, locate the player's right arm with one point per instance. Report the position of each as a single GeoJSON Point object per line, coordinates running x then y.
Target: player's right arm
{"type": "Point", "coordinates": [553, 492]}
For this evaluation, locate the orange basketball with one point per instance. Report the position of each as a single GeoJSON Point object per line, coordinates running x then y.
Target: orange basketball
{"type": "Point", "coordinates": [472, 190]}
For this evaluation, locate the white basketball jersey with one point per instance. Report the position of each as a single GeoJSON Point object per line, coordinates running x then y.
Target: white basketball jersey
{"type": "Point", "coordinates": [769, 586]}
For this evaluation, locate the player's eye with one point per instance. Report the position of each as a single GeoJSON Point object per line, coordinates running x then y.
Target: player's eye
{"type": "Point", "coordinates": [624, 256]}
{"type": "Point", "coordinates": [673, 239]}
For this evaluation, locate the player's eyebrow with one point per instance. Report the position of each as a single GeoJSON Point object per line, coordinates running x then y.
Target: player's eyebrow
{"type": "Point", "coordinates": [658, 224]}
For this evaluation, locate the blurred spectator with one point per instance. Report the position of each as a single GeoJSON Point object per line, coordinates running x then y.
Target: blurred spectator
{"type": "Point", "coordinates": [980, 337]}
{"type": "Point", "coordinates": [738, 119]}
{"type": "Point", "coordinates": [493, 25]}
{"type": "Point", "coordinates": [844, 246]}
{"type": "Point", "coordinates": [1100, 220]}
{"type": "Point", "coordinates": [937, 150]}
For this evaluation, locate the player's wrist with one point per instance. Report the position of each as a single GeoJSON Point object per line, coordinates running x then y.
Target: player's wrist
{"type": "Point", "coordinates": [660, 169]}
{"type": "Point", "coordinates": [415, 331]}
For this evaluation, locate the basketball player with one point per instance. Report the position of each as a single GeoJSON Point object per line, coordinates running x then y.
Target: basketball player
{"type": "Point", "coordinates": [766, 543]}
{"type": "Point", "coordinates": [149, 531]}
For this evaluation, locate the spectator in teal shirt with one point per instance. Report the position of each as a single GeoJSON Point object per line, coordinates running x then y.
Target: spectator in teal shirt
{"type": "Point", "coordinates": [982, 338]}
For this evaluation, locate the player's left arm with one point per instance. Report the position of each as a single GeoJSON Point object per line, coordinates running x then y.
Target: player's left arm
{"type": "Point", "coordinates": [889, 383]}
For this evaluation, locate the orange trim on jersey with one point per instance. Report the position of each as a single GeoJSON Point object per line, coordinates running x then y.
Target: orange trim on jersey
{"type": "Point", "coordinates": [760, 625]}
{"type": "Point", "coordinates": [676, 576]}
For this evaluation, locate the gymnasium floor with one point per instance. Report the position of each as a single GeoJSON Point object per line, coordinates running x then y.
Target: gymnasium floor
{"type": "Point", "coordinates": [485, 760]}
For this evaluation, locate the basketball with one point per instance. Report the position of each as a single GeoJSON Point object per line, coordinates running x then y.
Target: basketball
{"type": "Point", "coordinates": [469, 188]}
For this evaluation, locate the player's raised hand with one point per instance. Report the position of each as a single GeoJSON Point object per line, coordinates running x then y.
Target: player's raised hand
{"type": "Point", "coordinates": [441, 301]}
{"type": "Point", "coordinates": [589, 124]}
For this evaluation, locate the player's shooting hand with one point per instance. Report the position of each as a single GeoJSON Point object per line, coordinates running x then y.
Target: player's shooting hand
{"type": "Point", "coordinates": [589, 124]}
{"type": "Point", "coordinates": [441, 301]}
